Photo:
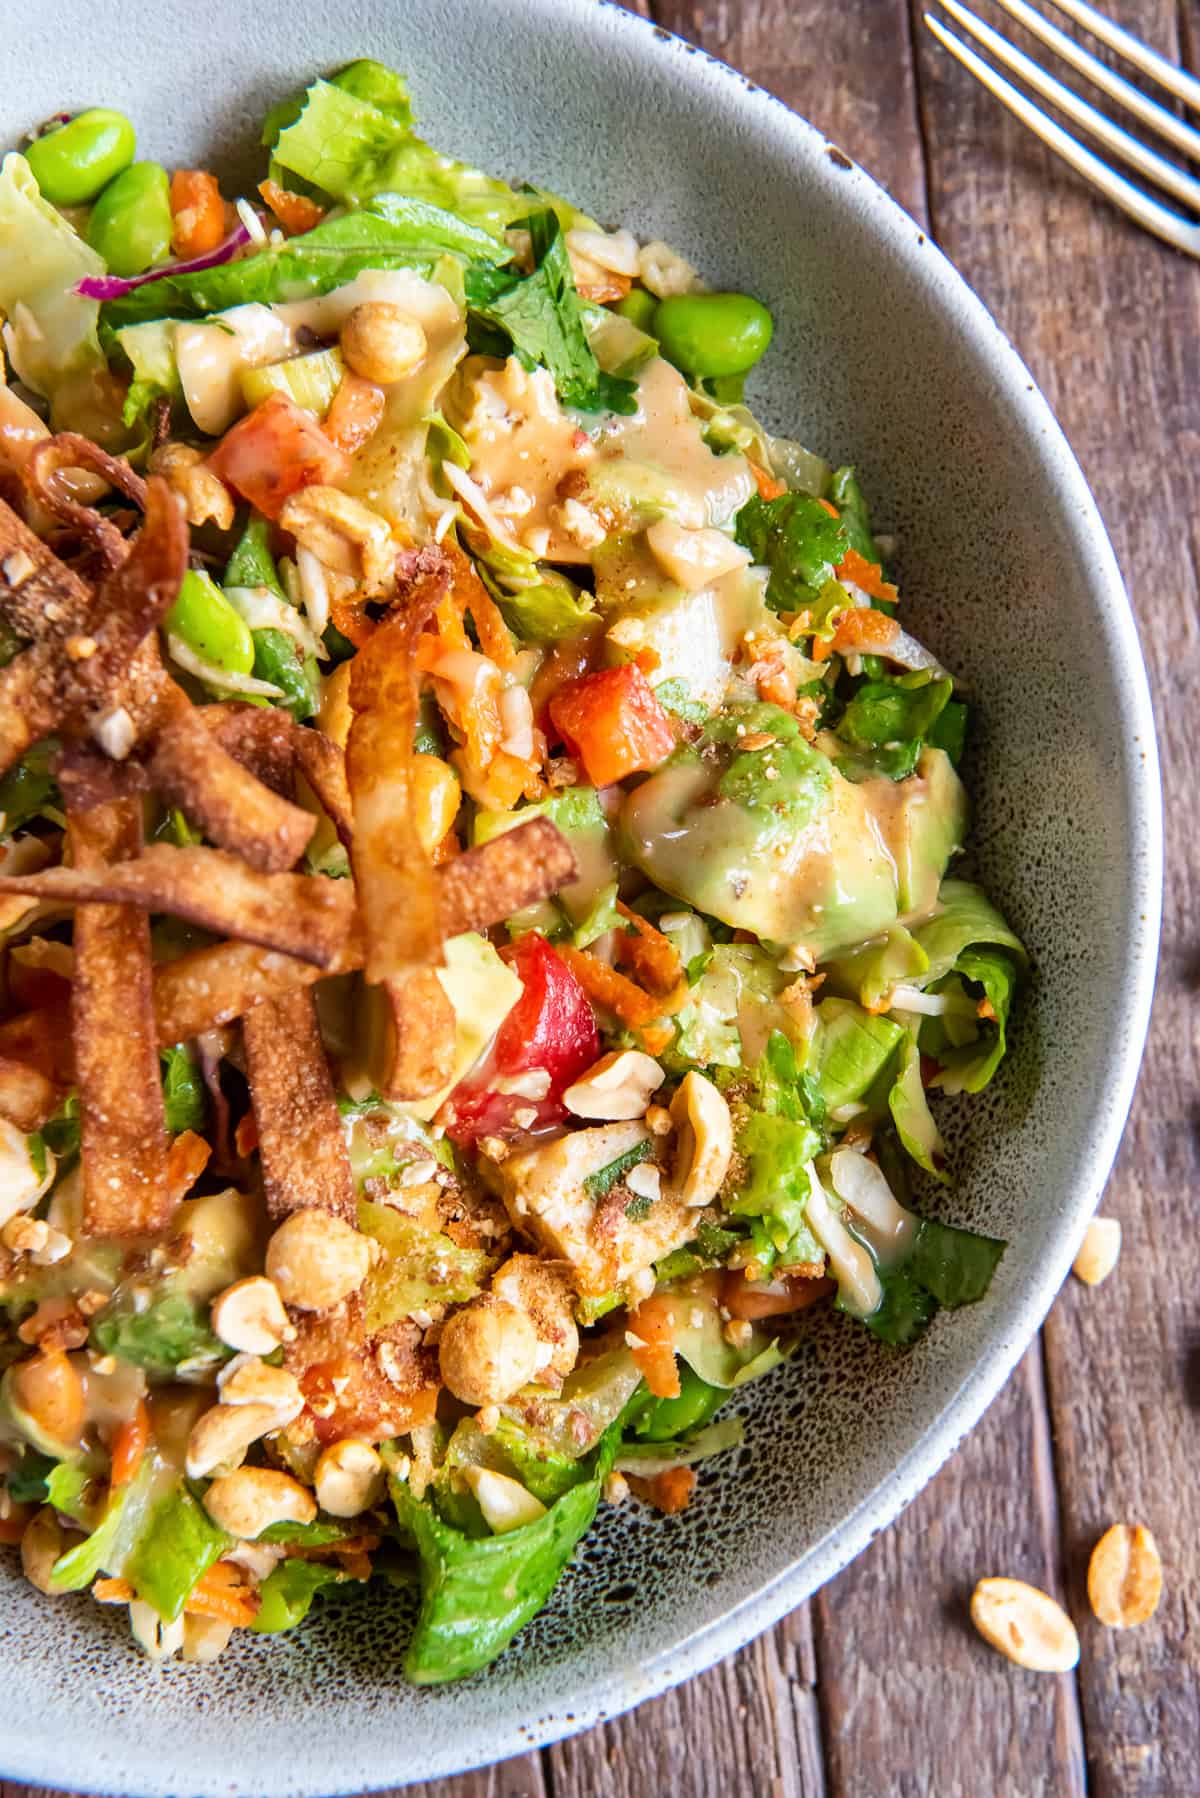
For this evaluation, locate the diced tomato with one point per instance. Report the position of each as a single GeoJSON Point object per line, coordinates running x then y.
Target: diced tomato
{"type": "Point", "coordinates": [273, 452]}
{"type": "Point", "coordinates": [612, 722]}
{"type": "Point", "coordinates": [551, 1028]}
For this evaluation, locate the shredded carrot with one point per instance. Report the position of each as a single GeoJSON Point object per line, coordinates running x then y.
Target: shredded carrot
{"type": "Point", "coordinates": [655, 1037]}
{"type": "Point", "coordinates": [985, 1009]}
{"type": "Point", "coordinates": [652, 956]}
{"type": "Point", "coordinates": [609, 988]}
{"type": "Point", "coordinates": [753, 1299]}
{"type": "Point", "coordinates": [822, 649]}
{"type": "Point", "coordinates": [245, 1137]}
{"type": "Point", "coordinates": [187, 1158]}
{"type": "Point", "coordinates": [862, 628]}
{"type": "Point", "coordinates": [295, 212]}
{"type": "Point", "coordinates": [112, 1591]}
{"type": "Point", "coordinates": [197, 212]}
{"type": "Point", "coordinates": [670, 1491]}
{"type": "Point", "coordinates": [129, 1445]}
{"type": "Point", "coordinates": [831, 509]}
{"type": "Point", "coordinates": [222, 1592]}
{"type": "Point", "coordinates": [867, 575]}
{"type": "Point", "coordinates": [472, 596]}
{"type": "Point", "coordinates": [652, 1326]}
{"type": "Point", "coordinates": [768, 486]}
{"type": "Point", "coordinates": [355, 414]}
{"type": "Point", "coordinates": [648, 660]}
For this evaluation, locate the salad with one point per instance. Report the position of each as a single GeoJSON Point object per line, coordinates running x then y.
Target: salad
{"type": "Point", "coordinates": [477, 885]}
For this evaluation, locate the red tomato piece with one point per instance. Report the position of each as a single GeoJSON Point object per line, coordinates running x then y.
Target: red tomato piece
{"type": "Point", "coordinates": [551, 1028]}
{"type": "Point", "coordinates": [273, 452]}
{"type": "Point", "coordinates": [612, 723]}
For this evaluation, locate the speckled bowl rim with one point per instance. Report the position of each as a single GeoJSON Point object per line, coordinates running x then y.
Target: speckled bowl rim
{"type": "Point", "coordinates": [1060, 481]}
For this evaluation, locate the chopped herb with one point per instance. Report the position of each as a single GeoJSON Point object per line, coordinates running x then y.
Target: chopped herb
{"type": "Point", "coordinates": [605, 1178]}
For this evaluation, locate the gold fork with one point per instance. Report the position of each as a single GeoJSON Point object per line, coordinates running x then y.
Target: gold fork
{"type": "Point", "coordinates": [1150, 213]}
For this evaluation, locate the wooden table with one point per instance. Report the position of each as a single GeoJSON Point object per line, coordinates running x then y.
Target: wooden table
{"type": "Point", "coordinates": [878, 1688]}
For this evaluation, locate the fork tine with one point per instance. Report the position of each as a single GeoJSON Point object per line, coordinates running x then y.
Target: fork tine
{"type": "Point", "coordinates": [1147, 162]}
{"type": "Point", "coordinates": [1176, 80]}
{"type": "Point", "coordinates": [1183, 136]}
{"type": "Point", "coordinates": [1148, 213]}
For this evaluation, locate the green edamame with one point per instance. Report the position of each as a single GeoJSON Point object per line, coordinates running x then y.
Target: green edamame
{"type": "Point", "coordinates": [203, 618]}
{"type": "Point", "coordinates": [671, 1417]}
{"type": "Point", "coordinates": [130, 224]}
{"type": "Point", "coordinates": [709, 335]}
{"type": "Point", "coordinates": [375, 83]}
{"type": "Point", "coordinates": [639, 308]}
{"type": "Point", "coordinates": [74, 161]}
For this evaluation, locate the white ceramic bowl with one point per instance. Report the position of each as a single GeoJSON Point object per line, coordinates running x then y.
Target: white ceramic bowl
{"type": "Point", "coordinates": [882, 357]}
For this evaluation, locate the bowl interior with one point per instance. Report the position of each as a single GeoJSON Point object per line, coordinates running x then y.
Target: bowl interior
{"type": "Point", "coordinates": [881, 358]}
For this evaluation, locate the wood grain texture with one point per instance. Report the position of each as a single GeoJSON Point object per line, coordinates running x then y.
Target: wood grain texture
{"type": "Point", "coordinates": [1110, 324]}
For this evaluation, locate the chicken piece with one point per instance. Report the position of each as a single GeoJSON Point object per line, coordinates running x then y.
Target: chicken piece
{"type": "Point", "coordinates": [563, 1196]}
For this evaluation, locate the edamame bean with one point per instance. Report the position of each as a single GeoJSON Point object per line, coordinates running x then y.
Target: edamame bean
{"type": "Point", "coordinates": [639, 308]}
{"type": "Point", "coordinates": [204, 619]}
{"type": "Point", "coordinates": [130, 224]}
{"type": "Point", "coordinates": [712, 334]}
{"type": "Point", "coordinates": [73, 162]}
{"type": "Point", "coordinates": [279, 659]}
{"type": "Point", "coordinates": [376, 83]}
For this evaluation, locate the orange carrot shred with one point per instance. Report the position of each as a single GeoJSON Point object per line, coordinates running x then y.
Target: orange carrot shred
{"type": "Point", "coordinates": [768, 486]}
{"type": "Point", "coordinates": [295, 212]}
{"type": "Point", "coordinates": [129, 1445]}
{"type": "Point", "coordinates": [651, 955]}
{"type": "Point", "coordinates": [609, 988]}
{"type": "Point", "coordinates": [831, 509]}
{"type": "Point", "coordinates": [867, 575]}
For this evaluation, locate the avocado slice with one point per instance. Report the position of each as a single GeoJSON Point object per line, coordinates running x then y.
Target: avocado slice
{"type": "Point", "coordinates": [931, 828]}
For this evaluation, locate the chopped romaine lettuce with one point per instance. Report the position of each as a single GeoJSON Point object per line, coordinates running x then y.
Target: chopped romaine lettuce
{"type": "Point", "coordinates": [795, 537]}
{"type": "Point", "coordinates": [176, 1547]}
{"type": "Point", "coordinates": [847, 496]}
{"type": "Point", "coordinates": [50, 333]}
{"type": "Point", "coordinates": [947, 1266]}
{"type": "Point", "coordinates": [171, 1333]}
{"type": "Point", "coordinates": [851, 1051]}
{"type": "Point", "coordinates": [184, 1098]}
{"type": "Point", "coordinates": [419, 1267]}
{"type": "Point", "coordinates": [286, 1594]}
{"type": "Point", "coordinates": [912, 1117]}
{"type": "Point", "coordinates": [648, 1458]}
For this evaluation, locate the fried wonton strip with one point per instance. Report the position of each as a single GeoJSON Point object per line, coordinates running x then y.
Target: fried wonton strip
{"type": "Point", "coordinates": [301, 914]}
{"type": "Point", "coordinates": [275, 748]}
{"type": "Point", "coordinates": [412, 1036]}
{"type": "Point", "coordinates": [123, 1134]}
{"type": "Point", "coordinates": [42, 1040]}
{"type": "Point", "coordinates": [39, 595]}
{"type": "Point", "coordinates": [192, 770]}
{"type": "Point", "coordinates": [484, 886]}
{"type": "Point", "coordinates": [66, 677]}
{"type": "Point", "coordinates": [212, 986]}
{"type": "Point", "coordinates": [43, 472]}
{"type": "Point", "coordinates": [27, 1096]}
{"type": "Point", "coordinates": [305, 1162]}
{"type": "Point", "coordinates": [398, 889]}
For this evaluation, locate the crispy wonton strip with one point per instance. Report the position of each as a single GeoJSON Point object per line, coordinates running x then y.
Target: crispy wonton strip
{"type": "Point", "coordinates": [413, 1035]}
{"type": "Point", "coordinates": [300, 1137]}
{"type": "Point", "coordinates": [198, 774]}
{"type": "Point", "coordinates": [122, 1126]}
{"type": "Point", "coordinates": [301, 914]}
{"type": "Point", "coordinates": [41, 1039]}
{"type": "Point", "coordinates": [275, 748]}
{"type": "Point", "coordinates": [27, 1097]}
{"type": "Point", "coordinates": [213, 986]}
{"type": "Point", "coordinates": [39, 595]}
{"type": "Point", "coordinates": [69, 673]}
{"type": "Point", "coordinates": [398, 890]}
{"type": "Point", "coordinates": [52, 459]}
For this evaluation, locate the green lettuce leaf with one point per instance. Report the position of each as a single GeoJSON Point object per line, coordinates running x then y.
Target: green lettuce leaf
{"type": "Point", "coordinates": [648, 1458]}
{"type": "Point", "coordinates": [541, 316]}
{"type": "Point", "coordinates": [26, 1482]}
{"type": "Point", "coordinates": [966, 919]}
{"type": "Point", "coordinates": [888, 721]}
{"type": "Point", "coordinates": [51, 333]}
{"type": "Point", "coordinates": [868, 974]}
{"type": "Point", "coordinates": [176, 1547]}
{"type": "Point", "coordinates": [477, 1592]}
{"type": "Point", "coordinates": [912, 1117]}
{"type": "Point", "coordinates": [947, 1266]}
{"type": "Point", "coordinates": [286, 1594]}
{"type": "Point", "coordinates": [353, 150]}
{"type": "Point", "coordinates": [971, 951]}
{"type": "Point", "coordinates": [418, 1268]}
{"type": "Point", "coordinates": [797, 540]}
{"type": "Point", "coordinates": [184, 1096]}
{"type": "Point", "coordinates": [29, 790]}
{"type": "Point", "coordinates": [170, 1333]}
{"type": "Point", "coordinates": [852, 1050]}
{"type": "Point", "coordinates": [847, 496]}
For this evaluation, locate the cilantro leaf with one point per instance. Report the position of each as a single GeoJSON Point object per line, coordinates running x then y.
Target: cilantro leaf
{"type": "Point", "coordinates": [798, 540]}
{"type": "Point", "coordinates": [605, 1178]}
{"type": "Point", "coordinates": [542, 317]}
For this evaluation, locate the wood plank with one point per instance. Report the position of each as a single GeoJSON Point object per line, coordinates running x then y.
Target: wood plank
{"type": "Point", "coordinates": [846, 67]}
{"type": "Point", "coordinates": [912, 1700]}
{"type": "Point", "coordinates": [747, 1726]}
{"type": "Point", "coordinates": [1110, 323]}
